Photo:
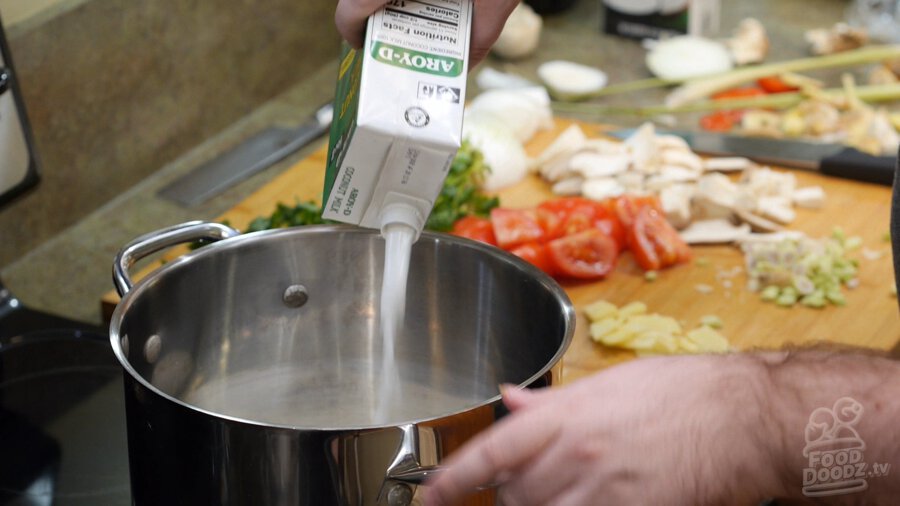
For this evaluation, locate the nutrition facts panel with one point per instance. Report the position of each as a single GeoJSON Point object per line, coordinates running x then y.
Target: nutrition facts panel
{"type": "Point", "coordinates": [435, 25]}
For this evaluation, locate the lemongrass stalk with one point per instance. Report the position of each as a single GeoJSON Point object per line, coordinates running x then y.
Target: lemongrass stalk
{"type": "Point", "coordinates": [613, 89]}
{"type": "Point", "coordinates": [699, 89]}
{"type": "Point", "coordinates": [869, 94]}
{"type": "Point", "coordinates": [725, 80]}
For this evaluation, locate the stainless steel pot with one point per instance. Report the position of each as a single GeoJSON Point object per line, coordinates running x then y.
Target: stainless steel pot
{"type": "Point", "coordinates": [252, 364]}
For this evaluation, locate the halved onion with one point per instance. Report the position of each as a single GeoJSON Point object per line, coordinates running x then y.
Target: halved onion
{"type": "Point", "coordinates": [685, 57]}
{"type": "Point", "coordinates": [571, 78]}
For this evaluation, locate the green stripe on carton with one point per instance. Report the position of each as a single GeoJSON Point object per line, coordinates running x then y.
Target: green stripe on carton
{"type": "Point", "coordinates": [417, 61]}
{"type": "Point", "coordinates": [346, 106]}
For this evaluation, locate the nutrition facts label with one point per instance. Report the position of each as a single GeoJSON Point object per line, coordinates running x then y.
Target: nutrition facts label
{"type": "Point", "coordinates": [436, 26]}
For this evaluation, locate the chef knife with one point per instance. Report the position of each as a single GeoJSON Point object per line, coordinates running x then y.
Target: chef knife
{"type": "Point", "coordinates": [829, 159]}
{"type": "Point", "coordinates": [249, 157]}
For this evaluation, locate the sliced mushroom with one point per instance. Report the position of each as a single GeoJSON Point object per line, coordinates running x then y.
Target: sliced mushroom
{"type": "Point", "coordinates": [810, 197]}
{"type": "Point", "coordinates": [757, 223]}
{"type": "Point", "coordinates": [727, 164]}
{"type": "Point", "coordinates": [776, 209]}
{"type": "Point", "coordinates": [750, 43]}
{"type": "Point", "coordinates": [714, 232]}
{"type": "Point", "coordinates": [840, 37]}
{"type": "Point", "coordinates": [676, 204]}
{"type": "Point", "coordinates": [568, 187]}
{"type": "Point", "coordinates": [602, 188]}
{"type": "Point", "coordinates": [632, 181]}
{"type": "Point", "coordinates": [686, 159]}
{"type": "Point", "coordinates": [594, 165]}
{"type": "Point", "coordinates": [668, 141]}
{"type": "Point", "coordinates": [604, 147]}
{"type": "Point", "coordinates": [566, 144]}
{"type": "Point", "coordinates": [716, 197]}
{"type": "Point", "coordinates": [642, 146]}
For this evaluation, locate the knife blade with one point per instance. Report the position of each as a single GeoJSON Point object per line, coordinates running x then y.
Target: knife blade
{"type": "Point", "coordinates": [253, 155]}
{"type": "Point", "coordinates": [829, 159]}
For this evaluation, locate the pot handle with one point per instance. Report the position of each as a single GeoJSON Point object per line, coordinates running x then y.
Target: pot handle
{"type": "Point", "coordinates": [148, 244]}
{"type": "Point", "coordinates": [405, 466]}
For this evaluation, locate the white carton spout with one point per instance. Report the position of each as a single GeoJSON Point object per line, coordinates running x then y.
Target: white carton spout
{"type": "Point", "coordinates": [404, 211]}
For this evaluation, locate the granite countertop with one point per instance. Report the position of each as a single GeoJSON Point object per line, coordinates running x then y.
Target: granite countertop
{"type": "Point", "coordinates": [68, 274]}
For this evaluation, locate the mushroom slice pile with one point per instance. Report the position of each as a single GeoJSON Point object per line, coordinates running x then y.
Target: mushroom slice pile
{"type": "Point", "coordinates": [690, 189]}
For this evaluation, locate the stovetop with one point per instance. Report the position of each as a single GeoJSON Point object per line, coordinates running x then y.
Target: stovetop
{"type": "Point", "coordinates": [62, 415]}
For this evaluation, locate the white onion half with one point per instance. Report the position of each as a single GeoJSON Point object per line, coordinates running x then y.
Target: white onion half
{"type": "Point", "coordinates": [685, 57]}
{"type": "Point", "coordinates": [571, 78]}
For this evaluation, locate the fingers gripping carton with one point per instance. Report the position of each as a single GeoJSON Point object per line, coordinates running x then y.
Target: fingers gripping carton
{"type": "Point", "coordinates": [398, 114]}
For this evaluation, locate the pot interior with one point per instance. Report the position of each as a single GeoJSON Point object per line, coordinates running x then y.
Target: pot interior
{"type": "Point", "coordinates": [212, 329]}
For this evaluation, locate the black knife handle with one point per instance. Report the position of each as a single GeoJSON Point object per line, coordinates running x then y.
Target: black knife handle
{"type": "Point", "coordinates": [858, 166]}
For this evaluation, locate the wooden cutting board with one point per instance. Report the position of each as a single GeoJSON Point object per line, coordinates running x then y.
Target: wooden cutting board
{"type": "Point", "coordinates": [870, 318]}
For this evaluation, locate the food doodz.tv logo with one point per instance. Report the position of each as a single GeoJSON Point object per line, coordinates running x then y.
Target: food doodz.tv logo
{"type": "Point", "coordinates": [836, 453]}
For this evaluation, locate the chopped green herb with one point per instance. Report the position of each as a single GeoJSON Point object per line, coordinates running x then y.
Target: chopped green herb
{"type": "Point", "coordinates": [812, 272]}
{"type": "Point", "coordinates": [460, 197]}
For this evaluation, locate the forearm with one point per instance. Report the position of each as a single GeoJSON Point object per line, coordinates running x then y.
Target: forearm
{"type": "Point", "coordinates": [854, 460]}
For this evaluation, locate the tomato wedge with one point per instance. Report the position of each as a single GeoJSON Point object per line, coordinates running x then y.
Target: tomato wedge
{"type": "Point", "coordinates": [514, 227]}
{"type": "Point", "coordinates": [571, 215]}
{"type": "Point", "coordinates": [654, 242]}
{"type": "Point", "coordinates": [536, 254]}
{"type": "Point", "coordinates": [476, 228]}
{"type": "Point", "coordinates": [553, 215]}
{"type": "Point", "coordinates": [627, 207]}
{"type": "Point", "coordinates": [721, 121]}
{"type": "Point", "coordinates": [586, 255]}
{"type": "Point", "coordinates": [775, 84]}
{"type": "Point", "coordinates": [748, 92]}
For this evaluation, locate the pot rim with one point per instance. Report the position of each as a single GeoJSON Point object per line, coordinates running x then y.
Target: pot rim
{"type": "Point", "coordinates": [146, 283]}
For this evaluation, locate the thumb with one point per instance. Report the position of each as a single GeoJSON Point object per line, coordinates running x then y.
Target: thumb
{"type": "Point", "coordinates": [515, 398]}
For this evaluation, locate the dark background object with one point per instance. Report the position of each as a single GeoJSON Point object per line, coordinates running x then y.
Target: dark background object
{"type": "Point", "coordinates": [62, 426]}
{"type": "Point", "coordinates": [62, 420]}
{"type": "Point", "coordinates": [550, 6]}
{"type": "Point", "coordinates": [16, 132]}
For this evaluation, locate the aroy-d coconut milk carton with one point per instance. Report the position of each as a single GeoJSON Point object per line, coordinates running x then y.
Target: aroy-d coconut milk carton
{"type": "Point", "coordinates": [398, 114]}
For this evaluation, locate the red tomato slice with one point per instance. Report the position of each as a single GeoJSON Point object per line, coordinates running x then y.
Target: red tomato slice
{"type": "Point", "coordinates": [514, 227]}
{"type": "Point", "coordinates": [586, 255]}
{"type": "Point", "coordinates": [720, 121]}
{"type": "Point", "coordinates": [476, 228]}
{"type": "Point", "coordinates": [627, 207]}
{"type": "Point", "coordinates": [774, 84]}
{"type": "Point", "coordinates": [654, 242]}
{"type": "Point", "coordinates": [536, 254]}
{"type": "Point", "coordinates": [571, 215]}
{"type": "Point", "coordinates": [748, 92]}
{"type": "Point", "coordinates": [613, 228]}
{"type": "Point", "coordinates": [550, 221]}
{"type": "Point", "coordinates": [554, 215]}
